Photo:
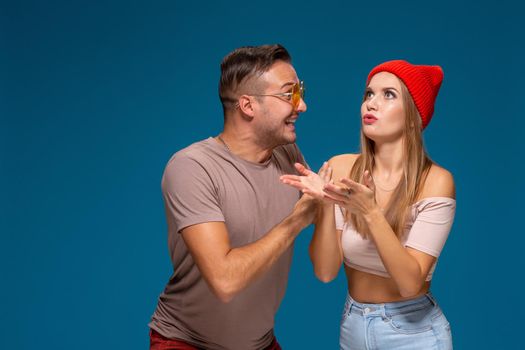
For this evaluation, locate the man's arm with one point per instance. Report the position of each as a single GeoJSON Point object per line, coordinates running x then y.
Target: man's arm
{"type": "Point", "coordinates": [228, 271]}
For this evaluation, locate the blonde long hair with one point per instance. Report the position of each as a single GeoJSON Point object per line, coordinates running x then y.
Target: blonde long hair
{"type": "Point", "coordinates": [416, 164]}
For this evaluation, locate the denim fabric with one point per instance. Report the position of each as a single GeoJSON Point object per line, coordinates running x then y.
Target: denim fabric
{"type": "Point", "coordinates": [412, 324]}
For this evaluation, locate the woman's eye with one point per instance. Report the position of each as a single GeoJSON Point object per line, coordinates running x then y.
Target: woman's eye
{"type": "Point", "coordinates": [389, 94]}
{"type": "Point", "coordinates": [369, 94]}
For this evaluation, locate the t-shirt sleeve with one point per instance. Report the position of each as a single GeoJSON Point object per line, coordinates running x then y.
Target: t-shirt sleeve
{"type": "Point", "coordinates": [190, 196]}
{"type": "Point", "coordinates": [300, 157]}
{"type": "Point", "coordinates": [339, 217]}
{"type": "Point", "coordinates": [432, 226]}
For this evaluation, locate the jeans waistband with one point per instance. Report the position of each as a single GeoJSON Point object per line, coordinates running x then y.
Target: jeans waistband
{"type": "Point", "coordinates": [395, 308]}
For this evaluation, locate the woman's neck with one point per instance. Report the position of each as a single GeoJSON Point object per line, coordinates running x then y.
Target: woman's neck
{"type": "Point", "coordinates": [388, 160]}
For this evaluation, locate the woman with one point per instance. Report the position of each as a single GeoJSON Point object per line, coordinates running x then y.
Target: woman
{"type": "Point", "coordinates": [388, 217]}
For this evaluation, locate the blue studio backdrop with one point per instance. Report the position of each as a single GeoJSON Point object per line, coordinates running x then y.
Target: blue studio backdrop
{"type": "Point", "coordinates": [95, 97]}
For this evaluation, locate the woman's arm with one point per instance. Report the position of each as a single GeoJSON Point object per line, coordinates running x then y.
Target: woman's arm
{"type": "Point", "coordinates": [325, 249]}
{"type": "Point", "coordinates": [408, 267]}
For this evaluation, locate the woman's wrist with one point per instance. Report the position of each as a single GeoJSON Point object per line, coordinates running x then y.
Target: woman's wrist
{"type": "Point", "coordinates": [373, 215]}
{"type": "Point", "coordinates": [323, 208]}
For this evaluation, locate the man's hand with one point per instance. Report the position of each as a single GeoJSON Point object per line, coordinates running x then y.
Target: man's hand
{"type": "Point", "coordinates": [308, 182]}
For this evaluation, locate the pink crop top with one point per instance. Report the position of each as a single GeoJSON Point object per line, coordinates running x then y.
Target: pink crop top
{"type": "Point", "coordinates": [427, 229]}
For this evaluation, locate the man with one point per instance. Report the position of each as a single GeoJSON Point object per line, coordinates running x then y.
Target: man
{"type": "Point", "coordinates": [231, 222]}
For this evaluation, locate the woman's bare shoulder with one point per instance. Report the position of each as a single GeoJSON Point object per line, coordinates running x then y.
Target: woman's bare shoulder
{"type": "Point", "coordinates": [439, 183]}
{"type": "Point", "coordinates": [342, 164]}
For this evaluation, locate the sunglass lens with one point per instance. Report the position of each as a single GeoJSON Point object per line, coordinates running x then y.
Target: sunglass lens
{"type": "Point", "coordinates": [297, 94]}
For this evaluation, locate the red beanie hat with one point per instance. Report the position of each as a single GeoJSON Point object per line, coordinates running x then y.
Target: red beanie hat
{"type": "Point", "coordinates": [423, 83]}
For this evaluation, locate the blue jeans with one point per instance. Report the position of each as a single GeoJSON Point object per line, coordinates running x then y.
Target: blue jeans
{"type": "Point", "coordinates": [412, 324]}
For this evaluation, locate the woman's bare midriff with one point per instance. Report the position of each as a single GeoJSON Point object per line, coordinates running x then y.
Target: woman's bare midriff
{"type": "Point", "coordinates": [368, 288]}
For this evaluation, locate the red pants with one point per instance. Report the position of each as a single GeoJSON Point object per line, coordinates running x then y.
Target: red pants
{"type": "Point", "coordinates": [159, 342]}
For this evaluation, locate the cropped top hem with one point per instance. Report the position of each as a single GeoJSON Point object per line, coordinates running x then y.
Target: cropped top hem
{"type": "Point", "coordinates": [375, 272]}
{"type": "Point", "coordinates": [367, 270]}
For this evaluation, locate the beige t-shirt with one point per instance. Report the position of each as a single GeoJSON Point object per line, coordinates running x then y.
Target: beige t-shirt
{"type": "Point", "coordinates": [427, 229]}
{"type": "Point", "coordinates": [203, 183]}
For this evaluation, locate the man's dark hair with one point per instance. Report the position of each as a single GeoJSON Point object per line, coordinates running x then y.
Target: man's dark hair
{"type": "Point", "coordinates": [244, 63]}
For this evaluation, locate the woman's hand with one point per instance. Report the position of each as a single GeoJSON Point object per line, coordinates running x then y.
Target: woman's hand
{"type": "Point", "coordinates": [309, 182]}
{"type": "Point", "coordinates": [355, 197]}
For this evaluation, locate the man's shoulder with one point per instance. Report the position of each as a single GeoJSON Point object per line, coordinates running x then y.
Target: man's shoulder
{"type": "Point", "coordinates": [189, 165]}
{"type": "Point", "coordinates": [192, 159]}
{"type": "Point", "coordinates": [194, 153]}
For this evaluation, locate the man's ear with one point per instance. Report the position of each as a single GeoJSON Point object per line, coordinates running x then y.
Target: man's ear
{"type": "Point", "coordinates": [246, 105]}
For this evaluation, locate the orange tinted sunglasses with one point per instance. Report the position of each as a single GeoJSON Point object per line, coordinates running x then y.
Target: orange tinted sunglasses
{"type": "Point", "coordinates": [294, 96]}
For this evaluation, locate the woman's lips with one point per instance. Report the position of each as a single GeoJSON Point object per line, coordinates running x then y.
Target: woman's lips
{"type": "Point", "coordinates": [369, 119]}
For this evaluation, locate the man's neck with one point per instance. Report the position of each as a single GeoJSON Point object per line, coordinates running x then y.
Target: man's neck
{"type": "Point", "coordinates": [243, 146]}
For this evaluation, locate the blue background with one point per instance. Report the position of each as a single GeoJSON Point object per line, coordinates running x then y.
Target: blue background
{"type": "Point", "coordinates": [96, 96]}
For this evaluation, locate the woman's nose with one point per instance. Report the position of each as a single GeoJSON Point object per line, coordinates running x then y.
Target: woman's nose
{"type": "Point", "coordinates": [371, 103]}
